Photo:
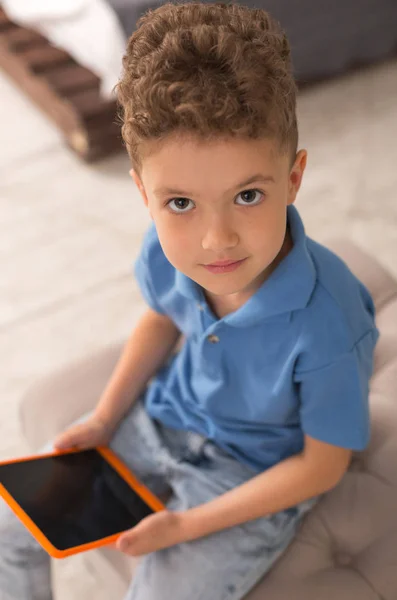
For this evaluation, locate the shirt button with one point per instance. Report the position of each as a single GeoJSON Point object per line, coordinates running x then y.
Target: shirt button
{"type": "Point", "coordinates": [213, 339]}
{"type": "Point", "coordinates": [200, 306]}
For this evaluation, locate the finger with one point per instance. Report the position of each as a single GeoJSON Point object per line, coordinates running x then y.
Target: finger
{"type": "Point", "coordinates": [68, 440]}
{"type": "Point", "coordinates": [125, 542]}
{"type": "Point", "coordinates": [123, 545]}
{"type": "Point", "coordinates": [122, 541]}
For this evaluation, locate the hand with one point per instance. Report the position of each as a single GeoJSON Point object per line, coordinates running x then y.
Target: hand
{"type": "Point", "coordinates": [158, 531]}
{"type": "Point", "coordinates": [94, 432]}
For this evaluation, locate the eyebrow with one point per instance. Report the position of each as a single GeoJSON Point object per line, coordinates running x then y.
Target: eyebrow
{"type": "Point", "coordinates": [257, 177]}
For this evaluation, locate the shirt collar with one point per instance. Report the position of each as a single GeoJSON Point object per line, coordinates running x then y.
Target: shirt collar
{"type": "Point", "coordinates": [188, 288]}
{"type": "Point", "coordinates": [288, 288]}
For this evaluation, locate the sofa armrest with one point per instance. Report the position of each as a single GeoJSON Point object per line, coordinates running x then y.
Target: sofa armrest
{"type": "Point", "coordinates": [57, 400]}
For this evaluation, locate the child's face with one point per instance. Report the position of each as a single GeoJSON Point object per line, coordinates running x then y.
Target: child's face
{"type": "Point", "coordinates": [212, 215]}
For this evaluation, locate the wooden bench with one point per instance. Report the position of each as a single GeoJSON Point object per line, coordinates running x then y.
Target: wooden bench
{"type": "Point", "coordinates": [67, 92]}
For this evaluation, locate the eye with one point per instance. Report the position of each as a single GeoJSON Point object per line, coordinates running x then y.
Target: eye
{"type": "Point", "coordinates": [250, 197]}
{"type": "Point", "coordinates": [180, 205]}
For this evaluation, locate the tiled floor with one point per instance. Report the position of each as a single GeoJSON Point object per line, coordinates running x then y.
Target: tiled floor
{"type": "Point", "coordinates": [70, 232]}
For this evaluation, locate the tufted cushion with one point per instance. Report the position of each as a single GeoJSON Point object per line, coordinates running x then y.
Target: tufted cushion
{"type": "Point", "coordinates": [346, 548]}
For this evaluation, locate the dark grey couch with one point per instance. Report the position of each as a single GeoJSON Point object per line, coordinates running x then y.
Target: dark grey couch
{"type": "Point", "coordinates": [327, 37]}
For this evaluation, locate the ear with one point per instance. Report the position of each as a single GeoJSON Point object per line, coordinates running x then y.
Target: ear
{"type": "Point", "coordinates": [296, 175]}
{"type": "Point", "coordinates": [139, 185]}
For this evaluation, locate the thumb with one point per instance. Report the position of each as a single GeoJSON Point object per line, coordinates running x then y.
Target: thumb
{"type": "Point", "coordinates": [68, 439]}
{"type": "Point", "coordinates": [125, 540]}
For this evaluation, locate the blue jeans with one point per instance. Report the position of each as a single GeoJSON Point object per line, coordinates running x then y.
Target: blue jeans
{"type": "Point", "coordinates": [221, 566]}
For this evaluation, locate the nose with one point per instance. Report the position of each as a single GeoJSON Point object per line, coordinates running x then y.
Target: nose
{"type": "Point", "coordinates": [219, 235]}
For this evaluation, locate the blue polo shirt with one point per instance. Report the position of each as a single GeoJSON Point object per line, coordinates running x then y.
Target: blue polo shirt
{"type": "Point", "coordinates": [295, 359]}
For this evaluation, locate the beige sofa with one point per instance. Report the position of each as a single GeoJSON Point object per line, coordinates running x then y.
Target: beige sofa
{"type": "Point", "coordinates": [346, 549]}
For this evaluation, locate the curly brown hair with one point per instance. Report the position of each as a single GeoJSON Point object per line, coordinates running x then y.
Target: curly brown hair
{"type": "Point", "coordinates": [211, 70]}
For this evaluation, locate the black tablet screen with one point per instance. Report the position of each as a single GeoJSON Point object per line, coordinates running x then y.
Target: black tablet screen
{"type": "Point", "coordinates": [74, 498]}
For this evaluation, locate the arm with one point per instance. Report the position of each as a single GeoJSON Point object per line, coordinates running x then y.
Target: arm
{"type": "Point", "coordinates": [148, 347]}
{"type": "Point", "coordinates": [312, 472]}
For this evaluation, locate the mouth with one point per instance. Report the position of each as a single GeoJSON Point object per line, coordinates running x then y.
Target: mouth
{"type": "Point", "coordinates": [222, 263]}
{"type": "Point", "coordinates": [224, 266]}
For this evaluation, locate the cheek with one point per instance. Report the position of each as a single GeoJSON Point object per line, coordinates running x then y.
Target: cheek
{"type": "Point", "coordinates": [176, 241]}
{"type": "Point", "coordinates": [268, 232]}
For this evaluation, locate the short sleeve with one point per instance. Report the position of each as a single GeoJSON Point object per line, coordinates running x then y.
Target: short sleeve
{"type": "Point", "coordinates": [334, 402]}
{"type": "Point", "coordinates": [144, 268]}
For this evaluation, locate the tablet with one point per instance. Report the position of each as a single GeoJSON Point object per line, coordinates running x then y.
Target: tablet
{"type": "Point", "coordinates": [75, 500]}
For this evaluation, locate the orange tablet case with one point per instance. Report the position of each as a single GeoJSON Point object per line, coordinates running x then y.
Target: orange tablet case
{"type": "Point", "coordinates": [148, 497]}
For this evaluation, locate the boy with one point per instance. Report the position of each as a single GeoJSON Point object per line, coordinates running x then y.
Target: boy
{"type": "Point", "coordinates": [257, 415]}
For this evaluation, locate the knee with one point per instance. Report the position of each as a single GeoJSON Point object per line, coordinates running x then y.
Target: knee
{"type": "Point", "coordinates": [149, 580]}
{"type": "Point", "coordinates": [9, 522]}
{"type": "Point", "coordinates": [167, 570]}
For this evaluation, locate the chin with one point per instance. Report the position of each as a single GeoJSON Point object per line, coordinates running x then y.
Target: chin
{"type": "Point", "coordinates": [224, 288]}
